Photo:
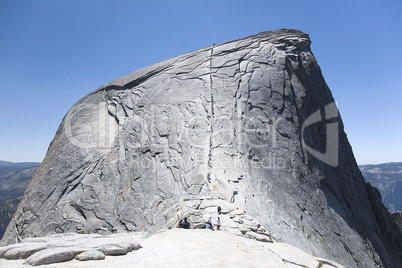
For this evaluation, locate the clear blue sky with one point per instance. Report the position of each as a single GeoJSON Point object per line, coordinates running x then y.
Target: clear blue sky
{"type": "Point", "coordinates": [54, 52]}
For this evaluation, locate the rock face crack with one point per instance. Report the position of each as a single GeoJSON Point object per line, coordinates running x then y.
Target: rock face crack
{"type": "Point", "coordinates": [212, 116]}
{"type": "Point", "coordinates": [221, 124]}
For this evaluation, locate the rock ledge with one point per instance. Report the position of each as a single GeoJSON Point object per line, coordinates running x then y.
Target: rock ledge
{"type": "Point", "coordinates": [173, 248]}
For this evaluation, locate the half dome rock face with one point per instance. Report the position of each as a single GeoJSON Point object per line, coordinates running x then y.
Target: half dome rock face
{"type": "Point", "coordinates": [248, 125]}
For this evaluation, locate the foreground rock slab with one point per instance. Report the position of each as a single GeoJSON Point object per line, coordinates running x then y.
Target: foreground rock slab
{"type": "Point", "coordinates": [90, 255]}
{"type": "Point", "coordinates": [183, 248]}
{"type": "Point", "coordinates": [54, 255]}
{"type": "Point", "coordinates": [65, 247]}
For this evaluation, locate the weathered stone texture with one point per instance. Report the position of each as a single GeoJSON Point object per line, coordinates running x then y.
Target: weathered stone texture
{"type": "Point", "coordinates": [65, 247]}
{"type": "Point", "coordinates": [221, 123]}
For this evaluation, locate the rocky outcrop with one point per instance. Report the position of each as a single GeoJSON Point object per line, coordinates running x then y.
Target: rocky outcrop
{"type": "Point", "coordinates": [66, 247]}
{"type": "Point", "coordinates": [249, 122]}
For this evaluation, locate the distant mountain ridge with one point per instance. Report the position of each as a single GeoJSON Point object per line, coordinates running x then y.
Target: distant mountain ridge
{"type": "Point", "coordinates": [12, 187]}
{"type": "Point", "coordinates": [13, 184]}
{"type": "Point", "coordinates": [18, 164]}
{"type": "Point", "coordinates": [387, 178]}
{"type": "Point", "coordinates": [7, 210]}
{"type": "Point", "coordinates": [6, 166]}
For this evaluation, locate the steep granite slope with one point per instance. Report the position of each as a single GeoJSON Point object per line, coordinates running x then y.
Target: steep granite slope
{"type": "Point", "coordinates": [247, 125]}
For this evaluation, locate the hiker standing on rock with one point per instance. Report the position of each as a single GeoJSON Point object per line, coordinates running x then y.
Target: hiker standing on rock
{"type": "Point", "coordinates": [218, 224]}
{"type": "Point", "coordinates": [210, 223]}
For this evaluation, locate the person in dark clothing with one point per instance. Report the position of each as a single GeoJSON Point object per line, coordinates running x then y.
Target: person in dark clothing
{"type": "Point", "coordinates": [185, 224]}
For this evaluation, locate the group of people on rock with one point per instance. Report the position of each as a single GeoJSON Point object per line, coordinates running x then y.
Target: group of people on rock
{"type": "Point", "coordinates": [209, 224]}
{"type": "Point", "coordinates": [186, 225]}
